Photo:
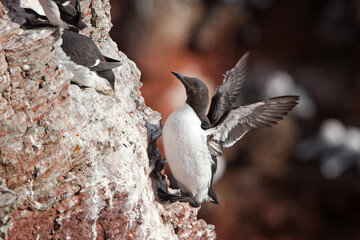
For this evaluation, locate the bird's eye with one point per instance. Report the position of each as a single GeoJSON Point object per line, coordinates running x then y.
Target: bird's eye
{"type": "Point", "coordinates": [196, 84]}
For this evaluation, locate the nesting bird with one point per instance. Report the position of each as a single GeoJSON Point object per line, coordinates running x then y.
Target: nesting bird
{"type": "Point", "coordinates": [63, 13]}
{"type": "Point", "coordinates": [193, 139]}
{"type": "Point", "coordinates": [89, 67]}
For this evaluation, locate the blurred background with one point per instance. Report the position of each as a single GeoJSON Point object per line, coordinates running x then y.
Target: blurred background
{"type": "Point", "coordinates": [299, 179]}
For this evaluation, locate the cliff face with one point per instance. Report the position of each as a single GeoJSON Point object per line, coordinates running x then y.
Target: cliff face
{"type": "Point", "coordinates": [74, 163]}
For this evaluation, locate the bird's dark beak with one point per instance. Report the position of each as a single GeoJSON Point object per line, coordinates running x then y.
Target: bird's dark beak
{"type": "Point", "coordinates": [181, 78]}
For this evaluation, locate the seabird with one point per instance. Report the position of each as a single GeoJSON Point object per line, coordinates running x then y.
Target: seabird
{"type": "Point", "coordinates": [89, 67]}
{"type": "Point", "coordinates": [63, 13]}
{"type": "Point", "coordinates": [193, 139]}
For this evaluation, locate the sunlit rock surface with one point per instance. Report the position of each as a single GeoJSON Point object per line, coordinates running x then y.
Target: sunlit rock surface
{"type": "Point", "coordinates": [75, 163]}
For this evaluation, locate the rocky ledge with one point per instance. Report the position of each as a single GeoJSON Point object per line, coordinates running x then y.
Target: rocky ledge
{"type": "Point", "coordinates": [75, 163]}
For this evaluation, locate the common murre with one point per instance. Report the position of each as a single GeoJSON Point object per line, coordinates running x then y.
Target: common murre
{"type": "Point", "coordinates": [192, 138]}
{"type": "Point", "coordinates": [80, 55]}
{"type": "Point", "coordinates": [62, 13]}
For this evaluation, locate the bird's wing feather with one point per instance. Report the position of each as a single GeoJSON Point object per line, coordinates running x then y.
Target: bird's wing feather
{"type": "Point", "coordinates": [228, 92]}
{"type": "Point", "coordinates": [81, 49]}
{"type": "Point", "coordinates": [109, 59]}
{"type": "Point", "coordinates": [72, 8]}
{"type": "Point", "coordinates": [104, 65]}
{"type": "Point", "coordinates": [240, 120]}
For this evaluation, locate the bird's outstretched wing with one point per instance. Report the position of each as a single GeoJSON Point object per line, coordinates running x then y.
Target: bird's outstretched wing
{"type": "Point", "coordinates": [240, 120]}
{"type": "Point", "coordinates": [228, 92]}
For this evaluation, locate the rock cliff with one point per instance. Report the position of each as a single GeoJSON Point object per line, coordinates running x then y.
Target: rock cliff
{"type": "Point", "coordinates": [75, 163]}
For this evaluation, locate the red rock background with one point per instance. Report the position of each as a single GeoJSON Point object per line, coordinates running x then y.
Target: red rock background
{"type": "Point", "coordinates": [266, 192]}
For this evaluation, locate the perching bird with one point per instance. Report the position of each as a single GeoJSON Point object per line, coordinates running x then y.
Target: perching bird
{"type": "Point", "coordinates": [89, 67]}
{"type": "Point", "coordinates": [193, 139]}
{"type": "Point", "coordinates": [63, 13]}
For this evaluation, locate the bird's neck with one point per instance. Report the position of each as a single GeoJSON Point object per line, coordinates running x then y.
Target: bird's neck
{"type": "Point", "coordinates": [201, 113]}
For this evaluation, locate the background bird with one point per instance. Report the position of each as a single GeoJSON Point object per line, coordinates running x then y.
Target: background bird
{"type": "Point", "coordinates": [63, 13]}
{"type": "Point", "coordinates": [193, 139]}
{"type": "Point", "coordinates": [89, 67]}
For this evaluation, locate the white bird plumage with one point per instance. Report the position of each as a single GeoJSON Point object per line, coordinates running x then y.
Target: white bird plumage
{"type": "Point", "coordinates": [53, 13]}
{"type": "Point", "coordinates": [185, 140]}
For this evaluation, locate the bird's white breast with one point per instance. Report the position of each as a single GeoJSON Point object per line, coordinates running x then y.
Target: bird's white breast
{"type": "Point", "coordinates": [52, 13]}
{"type": "Point", "coordinates": [186, 152]}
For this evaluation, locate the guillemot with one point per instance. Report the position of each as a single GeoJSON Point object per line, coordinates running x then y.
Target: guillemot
{"type": "Point", "coordinates": [193, 140]}
{"type": "Point", "coordinates": [80, 55]}
{"type": "Point", "coordinates": [62, 13]}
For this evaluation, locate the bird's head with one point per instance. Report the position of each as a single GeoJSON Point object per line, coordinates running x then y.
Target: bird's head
{"type": "Point", "coordinates": [196, 91]}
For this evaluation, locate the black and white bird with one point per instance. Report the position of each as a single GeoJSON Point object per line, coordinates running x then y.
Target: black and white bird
{"type": "Point", "coordinates": [63, 13]}
{"type": "Point", "coordinates": [193, 139]}
{"type": "Point", "coordinates": [80, 55]}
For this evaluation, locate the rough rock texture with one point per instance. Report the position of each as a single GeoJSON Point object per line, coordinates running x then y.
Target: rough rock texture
{"type": "Point", "coordinates": [74, 163]}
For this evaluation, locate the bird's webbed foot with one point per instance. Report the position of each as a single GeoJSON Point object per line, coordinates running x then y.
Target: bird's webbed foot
{"type": "Point", "coordinates": [166, 196]}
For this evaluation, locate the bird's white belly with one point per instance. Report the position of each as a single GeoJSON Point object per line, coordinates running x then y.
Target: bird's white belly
{"type": "Point", "coordinates": [186, 152]}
